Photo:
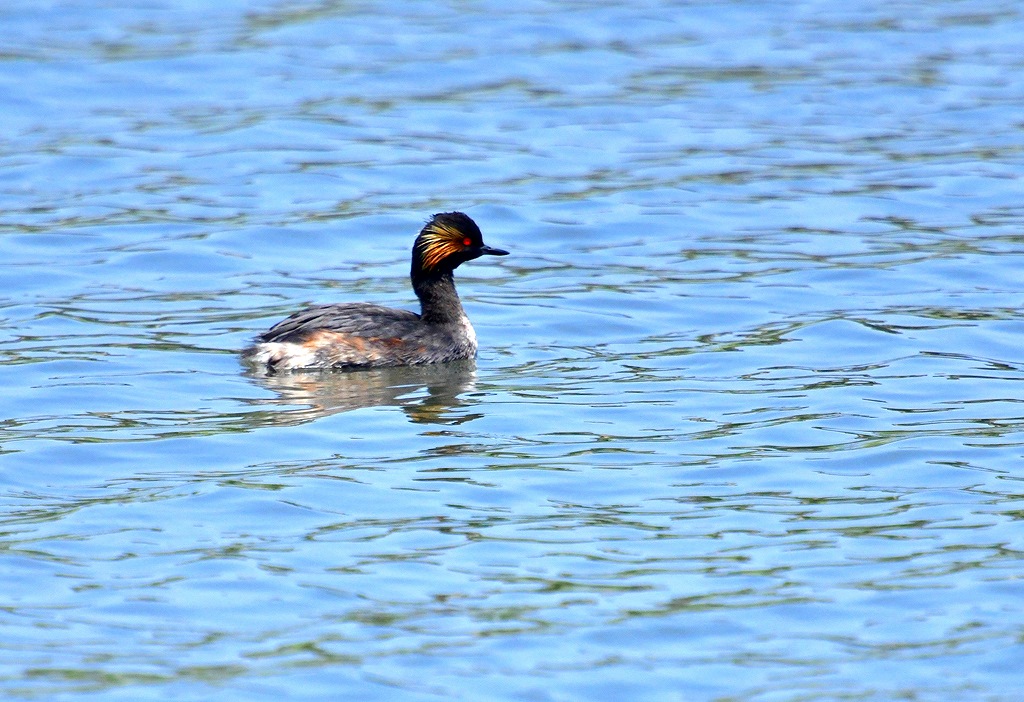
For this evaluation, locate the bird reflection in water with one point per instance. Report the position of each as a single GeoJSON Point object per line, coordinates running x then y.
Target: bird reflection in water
{"type": "Point", "coordinates": [428, 394]}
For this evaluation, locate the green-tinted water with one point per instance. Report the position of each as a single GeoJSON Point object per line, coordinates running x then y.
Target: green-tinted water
{"type": "Point", "coordinates": [747, 418]}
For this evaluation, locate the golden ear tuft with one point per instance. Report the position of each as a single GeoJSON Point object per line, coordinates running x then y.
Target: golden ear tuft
{"type": "Point", "coordinates": [438, 241]}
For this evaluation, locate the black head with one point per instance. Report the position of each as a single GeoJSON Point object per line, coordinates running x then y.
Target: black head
{"type": "Point", "coordinates": [446, 241]}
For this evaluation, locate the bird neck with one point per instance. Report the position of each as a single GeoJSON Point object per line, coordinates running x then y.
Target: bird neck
{"type": "Point", "coordinates": [439, 302]}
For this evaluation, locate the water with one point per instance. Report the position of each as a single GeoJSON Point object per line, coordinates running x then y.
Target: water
{"type": "Point", "coordinates": [746, 423]}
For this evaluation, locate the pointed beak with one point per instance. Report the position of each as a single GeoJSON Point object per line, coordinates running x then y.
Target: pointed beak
{"type": "Point", "coordinates": [484, 250]}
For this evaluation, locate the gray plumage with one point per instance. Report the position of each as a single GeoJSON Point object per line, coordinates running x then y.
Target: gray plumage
{"type": "Point", "coordinates": [359, 318]}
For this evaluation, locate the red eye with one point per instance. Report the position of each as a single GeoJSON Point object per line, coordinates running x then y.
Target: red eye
{"type": "Point", "coordinates": [467, 241]}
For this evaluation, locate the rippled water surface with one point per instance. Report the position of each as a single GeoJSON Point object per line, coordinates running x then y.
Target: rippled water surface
{"type": "Point", "coordinates": [747, 420]}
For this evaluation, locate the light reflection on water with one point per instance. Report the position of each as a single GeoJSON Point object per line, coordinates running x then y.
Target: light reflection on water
{"type": "Point", "coordinates": [745, 423]}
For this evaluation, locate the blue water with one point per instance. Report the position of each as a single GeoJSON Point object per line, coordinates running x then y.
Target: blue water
{"type": "Point", "coordinates": [747, 419]}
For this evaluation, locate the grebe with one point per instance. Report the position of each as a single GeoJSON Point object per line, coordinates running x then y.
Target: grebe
{"type": "Point", "coordinates": [363, 335]}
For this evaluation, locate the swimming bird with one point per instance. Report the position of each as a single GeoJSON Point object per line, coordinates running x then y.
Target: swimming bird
{"type": "Point", "coordinates": [364, 335]}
